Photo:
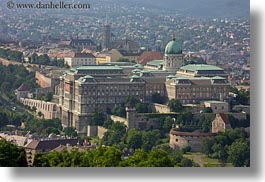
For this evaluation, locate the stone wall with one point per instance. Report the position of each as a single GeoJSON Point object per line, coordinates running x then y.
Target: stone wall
{"type": "Point", "coordinates": [118, 119]}
{"type": "Point", "coordinates": [6, 62]}
{"type": "Point", "coordinates": [48, 109]}
{"type": "Point", "coordinates": [92, 131]}
{"type": "Point", "coordinates": [217, 106]}
{"type": "Point", "coordinates": [179, 140]}
{"type": "Point", "coordinates": [42, 80]}
{"type": "Point", "coordinates": [101, 131]}
{"type": "Point", "coordinates": [239, 116]}
{"type": "Point", "coordinates": [161, 108]}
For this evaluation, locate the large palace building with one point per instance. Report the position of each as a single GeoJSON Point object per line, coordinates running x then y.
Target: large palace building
{"type": "Point", "coordinates": [86, 88]}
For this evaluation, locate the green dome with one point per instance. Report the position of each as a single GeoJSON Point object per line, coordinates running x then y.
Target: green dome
{"type": "Point", "coordinates": [173, 47]}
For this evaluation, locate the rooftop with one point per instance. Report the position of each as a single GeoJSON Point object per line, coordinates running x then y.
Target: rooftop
{"type": "Point", "coordinates": [190, 134]}
{"type": "Point", "coordinates": [173, 47]}
{"type": "Point", "coordinates": [83, 55]}
{"type": "Point", "coordinates": [198, 67]}
{"type": "Point", "coordinates": [155, 62]}
{"type": "Point", "coordinates": [97, 67]}
{"type": "Point", "coordinates": [215, 101]}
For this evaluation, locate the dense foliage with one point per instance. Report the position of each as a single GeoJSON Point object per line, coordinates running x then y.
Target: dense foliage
{"type": "Point", "coordinates": [231, 146]}
{"type": "Point", "coordinates": [111, 157]}
{"type": "Point", "coordinates": [11, 155]}
{"type": "Point", "coordinates": [8, 117]}
{"type": "Point", "coordinates": [12, 76]}
{"type": "Point", "coordinates": [45, 60]}
{"type": "Point", "coordinates": [11, 55]}
{"type": "Point", "coordinates": [122, 60]}
{"type": "Point", "coordinates": [46, 97]}
{"type": "Point", "coordinates": [242, 97]}
{"type": "Point", "coordinates": [157, 98]}
{"type": "Point", "coordinates": [175, 105]}
{"type": "Point", "coordinates": [133, 102]}
{"type": "Point", "coordinates": [115, 134]}
{"type": "Point", "coordinates": [43, 127]}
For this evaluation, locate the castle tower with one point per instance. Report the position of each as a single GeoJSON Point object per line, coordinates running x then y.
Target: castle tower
{"type": "Point", "coordinates": [130, 117]}
{"type": "Point", "coordinates": [173, 58]}
{"type": "Point", "coordinates": [107, 36]}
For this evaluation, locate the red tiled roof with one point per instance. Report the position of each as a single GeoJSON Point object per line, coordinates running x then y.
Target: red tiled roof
{"type": "Point", "coordinates": [23, 87]}
{"type": "Point", "coordinates": [224, 118]}
{"type": "Point", "coordinates": [84, 55]}
{"type": "Point", "coordinates": [148, 56]}
{"type": "Point", "coordinates": [50, 144]}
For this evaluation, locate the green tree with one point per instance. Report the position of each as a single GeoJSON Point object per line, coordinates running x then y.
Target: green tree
{"type": "Point", "coordinates": [70, 131]}
{"type": "Point", "coordinates": [138, 159]}
{"type": "Point", "coordinates": [134, 139]}
{"type": "Point", "coordinates": [186, 149]}
{"type": "Point", "coordinates": [48, 97]}
{"type": "Point", "coordinates": [157, 98]}
{"type": "Point", "coordinates": [115, 134]}
{"type": "Point", "coordinates": [207, 146]}
{"type": "Point", "coordinates": [243, 96]}
{"type": "Point", "coordinates": [97, 118]}
{"type": "Point", "coordinates": [11, 155]}
{"type": "Point", "coordinates": [167, 124]}
{"type": "Point", "coordinates": [175, 105]}
{"type": "Point", "coordinates": [150, 139]}
{"type": "Point", "coordinates": [159, 158]}
{"type": "Point", "coordinates": [107, 123]}
{"type": "Point", "coordinates": [186, 162]}
{"type": "Point", "coordinates": [119, 111]}
{"type": "Point", "coordinates": [239, 153]}
{"type": "Point", "coordinates": [207, 110]}
{"type": "Point", "coordinates": [112, 157]}
{"type": "Point", "coordinates": [122, 60]}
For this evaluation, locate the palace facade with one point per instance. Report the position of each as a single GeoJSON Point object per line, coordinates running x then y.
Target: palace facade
{"type": "Point", "coordinates": [86, 88]}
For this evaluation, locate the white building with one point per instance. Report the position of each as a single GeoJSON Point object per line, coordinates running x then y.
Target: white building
{"type": "Point", "coordinates": [80, 59]}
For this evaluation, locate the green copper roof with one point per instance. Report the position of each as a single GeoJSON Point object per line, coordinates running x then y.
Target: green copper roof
{"type": "Point", "coordinates": [136, 70]}
{"type": "Point", "coordinates": [218, 78]}
{"type": "Point", "coordinates": [171, 76]}
{"type": "Point", "coordinates": [173, 47]}
{"type": "Point", "coordinates": [135, 76]}
{"type": "Point", "coordinates": [198, 67]}
{"type": "Point", "coordinates": [97, 68]}
{"type": "Point", "coordinates": [88, 77]}
{"type": "Point", "coordinates": [156, 62]}
{"type": "Point", "coordinates": [138, 66]}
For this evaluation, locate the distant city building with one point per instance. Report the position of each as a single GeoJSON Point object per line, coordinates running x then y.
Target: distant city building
{"type": "Point", "coordinates": [116, 54]}
{"type": "Point", "coordinates": [80, 44]}
{"type": "Point", "coordinates": [107, 36]}
{"type": "Point", "coordinates": [80, 59]}
{"type": "Point", "coordinates": [127, 45]}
